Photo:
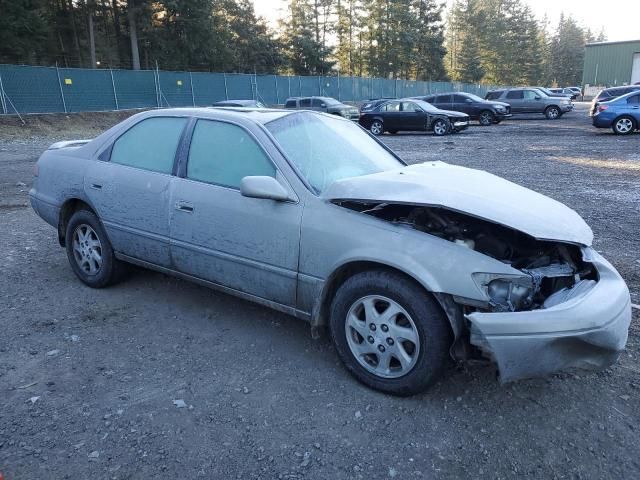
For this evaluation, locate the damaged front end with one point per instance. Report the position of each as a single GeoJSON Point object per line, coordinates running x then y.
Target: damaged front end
{"type": "Point", "coordinates": [548, 317]}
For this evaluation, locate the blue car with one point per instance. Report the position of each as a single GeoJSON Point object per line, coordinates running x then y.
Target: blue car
{"type": "Point", "coordinates": [621, 114]}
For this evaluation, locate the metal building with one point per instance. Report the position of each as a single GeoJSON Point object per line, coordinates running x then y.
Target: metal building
{"type": "Point", "coordinates": [612, 63]}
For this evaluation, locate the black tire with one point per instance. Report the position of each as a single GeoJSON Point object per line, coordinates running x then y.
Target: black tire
{"type": "Point", "coordinates": [110, 269]}
{"type": "Point", "coordinates": [486, 118]}
{"type": "Point", "coordinates": [552, 112]}
{"type": "Point", "coordinates": [377, 128]}
{"type": "Point", "coordinates": [624, 125]}
{"type": "Point", "coordinates": [433, 329]}
{"type": "Point", "coordinates": [441, 127]}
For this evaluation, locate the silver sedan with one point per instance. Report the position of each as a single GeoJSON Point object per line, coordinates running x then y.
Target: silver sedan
{"type": "Point", "coordinates": [409, 267]}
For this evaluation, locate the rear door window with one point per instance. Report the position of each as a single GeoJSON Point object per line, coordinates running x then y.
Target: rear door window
{"type": "Point", "coordinates": [318, 103]}
{"type": "Point", "coordinates": [410, 107]}
{"type": "Point", "coordinates": [223, 154]}
{"type": "Point", "coordinates": [459, 99]}
{"type": "Point", "coordinates": [443, 99]}
{"type": "Point", "coordinates": [635, 99]}
{"type": "Point", "coordinates": [391, 107]}
{"type": "Point", "coordinates": [290, 104]}
{"type": "Point", "coordinates": [305, 102]}
{"type": "Point", "coordinates": [515, 95]}
{"type": "Point", "coordinates": [150, 144]}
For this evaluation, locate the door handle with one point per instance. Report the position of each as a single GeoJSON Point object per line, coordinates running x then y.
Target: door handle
{"type": "Point", "coordinates": [96, 186]}
{"type": "Point", "coordinates": [184, 207]}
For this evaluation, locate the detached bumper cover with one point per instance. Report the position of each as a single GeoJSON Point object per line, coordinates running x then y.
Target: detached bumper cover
{"type": "Point", "coordinates": [566, 108]}
{"type": "Point", "coordinates": [589, 330]}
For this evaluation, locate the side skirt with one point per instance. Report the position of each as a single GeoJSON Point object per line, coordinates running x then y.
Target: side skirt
{"type": "Point", "coordinates": [216, 286]}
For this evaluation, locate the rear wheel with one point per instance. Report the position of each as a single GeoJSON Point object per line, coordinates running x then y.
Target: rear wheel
{"type": "Point", "coordinates": [623, 126]}
{"type": "Point", "coordinates": [390, 334]}
{"type": "Point", "coordinates": [486, 118]}
{"type": "Point", "coordinates": [441, 127]}
{"type": "Point", "coordinates": [552, 112]}
{"type": "Point", "coordinates": [377, 128]}
{"type": "Point", "coordinates": [89, 251]}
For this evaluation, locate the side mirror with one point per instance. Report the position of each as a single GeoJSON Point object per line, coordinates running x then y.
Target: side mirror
{"type": "Point", "coordinates": [323, 105]}
{"type": "Point", "coordinates": [263, 187]}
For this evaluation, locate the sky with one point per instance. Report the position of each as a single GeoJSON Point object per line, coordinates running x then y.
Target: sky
{"type": "Point", "coordinates": [621, 23]}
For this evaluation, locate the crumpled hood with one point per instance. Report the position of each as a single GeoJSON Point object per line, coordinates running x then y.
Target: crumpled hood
{"type": "Point", "coordinates": [474, 192]}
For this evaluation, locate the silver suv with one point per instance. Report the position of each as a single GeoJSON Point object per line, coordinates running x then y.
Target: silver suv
{"type": "Point", "coordinates": [531, 100]}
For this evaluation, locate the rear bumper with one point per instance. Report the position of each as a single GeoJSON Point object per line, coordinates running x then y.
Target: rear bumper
{"type": "Point", "coordinates": [49, 212]}
{"type": "Point", "coordinates": [587, 331]}
{"type": "Point", "coordinates": [601, 120]}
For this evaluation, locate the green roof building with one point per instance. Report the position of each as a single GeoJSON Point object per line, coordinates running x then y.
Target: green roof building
{"type": "Point", "coordinates": [611, 63]}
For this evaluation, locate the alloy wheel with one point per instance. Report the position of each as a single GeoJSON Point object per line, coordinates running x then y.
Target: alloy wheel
{"type": "Point", "coordinates": [87, 249]}
{"type": "Point", "coordinates": [376, 128]}
{"type": "Point", "coordinates": [382, 336]}
{"type": "Point", "coordinates": [624, 125]}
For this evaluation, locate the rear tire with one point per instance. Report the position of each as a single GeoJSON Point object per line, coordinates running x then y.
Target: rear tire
{"type": "Point", "coordinates": [552, 113]}
{"type": "Point", "coordinates": [406, 349]}
{"type": "Point", "coordinates": [377, 128]}
{"type": "Point", "coordinates": [486, 118]}
{"type": "Point", "coordinates": [623, 125]}
{"type": "Point", "coordinates": [89, 251]}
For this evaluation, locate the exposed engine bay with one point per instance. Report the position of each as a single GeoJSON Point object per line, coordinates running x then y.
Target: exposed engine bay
{"type": "Point", "coordinates": [552, 271]}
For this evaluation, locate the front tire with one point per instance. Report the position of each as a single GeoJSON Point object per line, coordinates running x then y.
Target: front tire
{"type": "Point", "coordinates": [552, 113]}
{"type": "Point", "coordinates": [377, 128]}
{"type": "Point", "coordinates": [89, 251]}
{"type": "Point", "coordinates": [623, 126]}
{"type": "Point", "coordinates": [389, 332]}
{"type": "Point", "coordinates": [486, 118]}
{"type": "Point", "coordinates": [441, 127]}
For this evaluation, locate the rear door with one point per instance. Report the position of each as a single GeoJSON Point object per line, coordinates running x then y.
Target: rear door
{"type": "Point", "coordinates": [413, 117]}
{"type": "Point", "coordinates": [130, 191]}
{"type": "Point", "coordinates": [632, 107]}
{"type": "Point", "coordinates": [442, 102]}
{"type": "Point", "coordinates": [515, 98]}
{"type": "Point", "coordinates": [247, 244]}
{"type": "Point", "coordinates": [391, 116]}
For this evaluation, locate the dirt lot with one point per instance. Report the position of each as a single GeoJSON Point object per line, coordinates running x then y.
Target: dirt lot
{"type": "Point", "coordinates": [88, 378]}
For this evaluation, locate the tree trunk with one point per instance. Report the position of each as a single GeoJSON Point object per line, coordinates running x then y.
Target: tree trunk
{"type": "Point", "coordinates": [118, 32]}
{"type": "Point", "coordinates": [92, 40]}
{"type": "Point", "coordinates": [133, 33]}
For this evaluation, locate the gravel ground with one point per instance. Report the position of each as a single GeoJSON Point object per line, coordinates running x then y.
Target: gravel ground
{"type": "Point", "coordinates": [157, 377]}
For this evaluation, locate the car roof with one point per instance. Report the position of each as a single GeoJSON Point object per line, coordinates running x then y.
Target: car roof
{"type": "Point", "coordinates": [255, 115]}
{"type": "Point", "coordinates": [239, 102]}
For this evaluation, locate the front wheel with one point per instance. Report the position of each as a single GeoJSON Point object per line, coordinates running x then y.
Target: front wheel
{"type": "Point", "coordinates": [377, 128]}
{"type": "Point", "coordinates": [623, 126]}
{"type": "Point", "coordinates": [441, 127]}
{"type": "Point", "coordinates": [389, 333]}
{"type": "Point", "coordinates": [552, 113]}
{"type": "Point", "coordinates": [89, 251]}
{"type": "Point", "coordinates": [486, 118]}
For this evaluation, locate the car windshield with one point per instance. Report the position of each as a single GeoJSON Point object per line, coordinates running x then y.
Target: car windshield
{"type": "Point", "coordinates": [427, 107]}
{"type": "Point", "coordinates": [473, 97]}
{"type": "Point", "coordinates": [330, 101]}
{"type": "Point", "coordinates": [326, 149]}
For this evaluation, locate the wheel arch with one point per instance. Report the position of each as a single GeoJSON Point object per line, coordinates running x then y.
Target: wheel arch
{"type": "Point", "coordinates": [69, 207]}
{"type": "Point", "coordinates": [320, 313]}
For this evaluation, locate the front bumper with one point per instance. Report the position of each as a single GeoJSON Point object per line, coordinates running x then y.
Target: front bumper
{"type": "Point", "coordinates": [502, 116]}
{"type": "Point", "coordinates": [460, 125]}
{"type": "Point", "coordinates": [587, 331]}
{"type": "Point", "coordinates": [566, 108]}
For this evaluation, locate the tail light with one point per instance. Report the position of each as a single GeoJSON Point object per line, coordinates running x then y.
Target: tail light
{"type": "Point", "coordinates": [602, 108]}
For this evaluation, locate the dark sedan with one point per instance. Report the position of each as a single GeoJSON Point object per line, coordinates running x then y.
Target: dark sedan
{"type": "Point", "coordinates": [485, 111]}
{"type": "Point", "coordinates": [410, 114]}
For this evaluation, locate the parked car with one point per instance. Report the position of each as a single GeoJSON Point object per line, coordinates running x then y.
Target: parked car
{"type": "Point", "coordinates": [240, 103]}
{"type": "Point", "coordinates": [622, 114]}
{"type": "Point", "coordinates": [323, 104]}
{"type": "Point", "coordinates": [530, 100]}
{"type": "Point", "coordinates": [486, 112]}
{"type": "Point", "coordinates": [408, 266]}
{"type": "Point", "coordinates": [410, 114]}
{"type": "Point", "coordinates": [608, 94]}
{"type": "Point", "coordinates": [565, 91]}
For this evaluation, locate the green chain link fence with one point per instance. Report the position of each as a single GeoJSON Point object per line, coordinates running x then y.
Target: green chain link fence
{"type": "Point", "coordinates": [27, 89]}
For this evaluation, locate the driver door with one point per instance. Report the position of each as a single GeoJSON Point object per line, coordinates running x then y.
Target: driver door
{"type": "Point", "coordinates": [247, 244]}
{"type": "Point", "coordinates": [414, 117]}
